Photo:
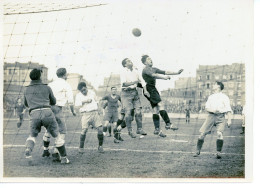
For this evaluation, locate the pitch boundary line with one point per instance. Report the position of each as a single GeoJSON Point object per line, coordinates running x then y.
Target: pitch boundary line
{"type": "Point", "coordinates": [138, 151]}
{"type": "Point", "coordinates": [23, 132]}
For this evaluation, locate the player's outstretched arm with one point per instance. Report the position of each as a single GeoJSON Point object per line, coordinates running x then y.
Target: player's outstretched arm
{"type": "Point", "coordinates": [173, 73]}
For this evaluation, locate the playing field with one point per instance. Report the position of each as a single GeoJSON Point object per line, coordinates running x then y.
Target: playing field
{"type": "Point", "coordinates": [149, 157]}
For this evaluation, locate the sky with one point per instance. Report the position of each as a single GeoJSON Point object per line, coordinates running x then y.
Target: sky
{"type": "Point", "coordinates": [176, 34]}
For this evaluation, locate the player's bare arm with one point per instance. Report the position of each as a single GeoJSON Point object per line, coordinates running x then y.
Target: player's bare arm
{"type": "Point", "coordinates": [173, 73]}
{"type": "Point", "coordinates": [126, 84]}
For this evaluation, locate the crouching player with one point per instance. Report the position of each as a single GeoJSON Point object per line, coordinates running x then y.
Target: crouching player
{"type": "Point", "coordinates": [38, 97]}
{"type": "Point", "coordinates": [217, 105]}
{"type": "Point", "coordinates": [88, 107]}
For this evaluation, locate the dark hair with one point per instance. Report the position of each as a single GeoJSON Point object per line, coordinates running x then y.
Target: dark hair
{"type": "Point", "coordinates": [113, 87]}
{"type": "Point", "coordinates": [35, 74]}
{"type": "Point", "coordinates": [124, 62]}
{"type": "Point", "coordinates": [221, 85]}
{"type": "Point", "coordinates": [61, 72]}
{"type": "Point", "coordinates": [143, 59]}
{"type": "Point", "coordinates": [81, 85]}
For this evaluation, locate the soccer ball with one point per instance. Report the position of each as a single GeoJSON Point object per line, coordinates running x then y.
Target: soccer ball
{"type": "Point", "coordinates": [136, 32]}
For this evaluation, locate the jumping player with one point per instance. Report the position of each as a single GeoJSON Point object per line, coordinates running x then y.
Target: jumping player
{"type": "Point", "coordinates": [19, 110]}
{"type": "Point", "coordinates": [217, 105]}
{"type": "Point", "coordinates": [87, 101]}
{"type": "Point", "coordinates": [38, 97]}
{"type": "Point", "coordinates": [150, 74]}
{"type": "Point", "coordinates": [130, 98]}
{"type": "Point", "coordinates": [63, 93]}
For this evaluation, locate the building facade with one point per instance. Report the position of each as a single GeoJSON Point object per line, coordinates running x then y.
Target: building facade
{"type": "Point", "coordinates": [232, 76]}
{"type": "Point", "coordinates": [16, 77]}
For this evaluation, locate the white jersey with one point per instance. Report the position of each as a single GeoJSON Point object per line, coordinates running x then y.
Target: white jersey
{"type": "Point", "coordinates": [87, 107]}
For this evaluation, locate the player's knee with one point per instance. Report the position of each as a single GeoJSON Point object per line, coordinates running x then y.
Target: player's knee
{"type": "Point", "coordinates": [47, 137]}
{"type": "Point", "coordinates": [59, 141]}
{"type": "Point", "coordinates": [62, 136]}
{"type": "Point", "coordinates": [202, 136]}
{"type": "Point", "coordinates": [84, 131]}
{"type": "Point", "coordinates": [31, 138]}
{"type": "Point", "coordinates": [220, 135]}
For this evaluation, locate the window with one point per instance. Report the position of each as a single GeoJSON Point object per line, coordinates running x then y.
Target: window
{"type": "Point", "coordinates": [200, 78]}
{"type": "Point", "coordinates": [208, 77]}
{"type": "Point", "coordinates": [208, 86]}
{"type": "Point", "coordinates": [231, 77]}
{"type": "Point", "coordinates": [10, 71]}
{"type": "Point", "coordinates": [200, 94]}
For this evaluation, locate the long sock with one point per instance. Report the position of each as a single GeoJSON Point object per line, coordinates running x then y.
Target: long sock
{"type": "Point", "coordinates": [219, 144]}
{"type": "Point", "coordinates": [82, 140]}
{"type": "Point", "coordinates": [104, 129]}
{"type": "Point", "coordinates": [138, 119]}
{"type": "Point", "coordinates": [199, 144]}
{"type": "Point", "coordinates": [165, 116]}
{"type": "Point", "coordinates": [46, 144]}
{"type": "Point", "coordinates": [119, 122]}
{"type": "Point", "coordinates": [123, 125]}
{"type": "Point", "coordinates": [156, 121]}
{"type": "Point", "coordinates": [62, 151]}
{"type": "Point", "coordinates": [100, 139]}
{"type": "Point", "coordinates": [109, 129]}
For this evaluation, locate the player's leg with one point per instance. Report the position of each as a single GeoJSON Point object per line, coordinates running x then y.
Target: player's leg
{"type": "Point", "coordinates": [50, 123]}
{"type": "Point", "coordinates": [84, 129]}
{"type": "Point", "coordinates": [120, 124]}
{"type": "Point", "coordinates": [204, 130]}
{"type": "Point", "coordinates": [105, 127]}
{"type": "Point", "coordinates": [98, 125]}
{"type": "Point", "coordinates": [35, 128]}
{"type": "Point", "coordinates": [220, 127]}
{"type": "Point", "coordinates": [20, 120]}
{"type": "Point", "coordinates": [156, 122]}
{"type": "Point", "coordinates": [166, 118]}
{"type": "Point", "coordinates": [127, 101]}
{"type": "Point", "coordinates": [138, 114]}
{"type": "Point", "coordinates": [46, 142]}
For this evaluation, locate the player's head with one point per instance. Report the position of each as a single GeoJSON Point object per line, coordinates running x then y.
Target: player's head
{"type": "Point", "coordinates": [35, 74]}
{"type": "Point", "coordinates": [113, 90]}
{"type": "Point", "coordinates": [127, 63]}
{"type": "Point", "coordinates": [218, 86]}
{"type": "Point", "coordinates": [61, 73]}
{"type": "Point", "coordinates": [19, 100]}
{"type": "Point", "coordinates": [82, 87]}
{"type": "Point", "coordinates": [146, 60]}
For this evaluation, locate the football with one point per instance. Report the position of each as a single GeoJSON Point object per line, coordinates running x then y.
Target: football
{"type": "Point", "coordinates": [136, 32]}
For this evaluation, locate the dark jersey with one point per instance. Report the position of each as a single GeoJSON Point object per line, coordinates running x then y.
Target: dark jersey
{"type": "Point", "coordinates": [147, 75]}
{"type": "Point", "coordinates": [19, 108]}
{"type": "Point", "coordinates": [112, 103]}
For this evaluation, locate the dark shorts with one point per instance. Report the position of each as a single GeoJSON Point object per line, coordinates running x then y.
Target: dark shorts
{"type": "Point", "coordinates": [155, 97]}
{"type": "Point", "coordinates": [60, 118]}
{"type": "Point", "coordinates": [111, 116]}
{"type": "Point", "coordinates": [43, 117]}
{"type": "Point", "coordinates": [20, 115]}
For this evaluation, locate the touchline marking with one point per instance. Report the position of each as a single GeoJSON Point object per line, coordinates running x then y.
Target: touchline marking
{"type": "Point", "coordinates": [133, 150]}
{"type": "Point", "coordinates": [70, 132]}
